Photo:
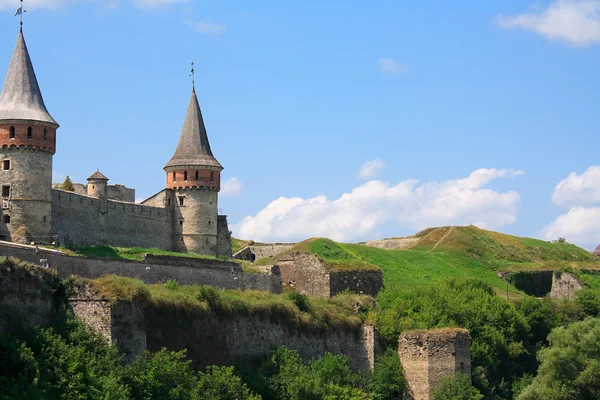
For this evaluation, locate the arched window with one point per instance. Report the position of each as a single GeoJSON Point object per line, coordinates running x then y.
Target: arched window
{"type": "Point", "coordinates": [174, 176]}
{"type": "Point", "coordinates": [185, 175]}
{"type": "Point", "coordinates": [29, 132]}
{"type": "Point", "coordinates": [45, 134]}
{"type": "Point", "coordinates": [11, 132]}
{"type": "Point", "coordinates": [196, 175]}
{"type": "Point", "coordinates": [212, 176]}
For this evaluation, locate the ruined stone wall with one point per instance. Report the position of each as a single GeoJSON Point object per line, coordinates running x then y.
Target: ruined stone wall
{"type": "Point", "coordinates": [186, 271]}
{"type": "Point", "coordinates": [393, 244]}
{"type": "Point", "coordinates": [564, 286]}
{"type": "Point", "coordinates": [214, 340]}
{"type": "Point", "coordinates": [306, 273]}
{"type": "Point", "coordinates": [361, 282]}
{"type": "Point", "coordinates": [26, 298]}
{"type": "Point", "coordinates": [223, 237]}
{"type": "Point", "coordinates": [121, 323]}
{"type": "Point", "coordinates": [83, 220]}
{"type": "Point", "coordinates": [120, 193]}
{"type": "Point", "coordinates": [429, 356]}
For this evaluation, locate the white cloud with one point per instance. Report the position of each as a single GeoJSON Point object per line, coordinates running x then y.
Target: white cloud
{"type": "Point", "coordinates": [358, 214]}
{"type": "Point", "coordinates": [574, 21]}
{"type": "Point", "coordinates": [206, 26]}
{"type": "Point", "coordinates": [390, 66]}
{"type": "Point", "coordinates": [580, 226]}
{"type": "Point", "coordinates": [579, 190]}
{"type": "Point", "coordinates": [231, 187]}
{"type": "Point", "coordinates": [55, 4]}
{"type": "Point", "coordinates": [371, 169]}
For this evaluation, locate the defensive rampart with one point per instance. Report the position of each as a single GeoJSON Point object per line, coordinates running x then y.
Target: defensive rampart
{"type": "Point", "coordinates": [185, 270]}
{"type": "Point", "coordinates": [83, 220]}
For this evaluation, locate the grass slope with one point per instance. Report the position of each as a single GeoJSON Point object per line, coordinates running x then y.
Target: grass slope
{"type": "Point", "coordinates": [464, 252]}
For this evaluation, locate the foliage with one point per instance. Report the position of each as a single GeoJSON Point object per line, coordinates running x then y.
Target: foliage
{"type": "Point", "coordinates": [497, 329]}
{"type": "Point", "coordinates": [589, 301]}
{"type": "Point", "coordinates": [388, 381]}
{"type": "Point", "coordinates": [221, 383]}
{"type": "Point", "coordinates": [68, 185]}
{"type": "Point", "coordinates": [457, 387]}
{"type": "Point", "coordinates": [328, 377]}
{"type": "Point", "coordinates": [126, 253]}
{"type": "Point", "coordinates": [171, 284]}
{"type": "Point", "coordinates": [570, 367]}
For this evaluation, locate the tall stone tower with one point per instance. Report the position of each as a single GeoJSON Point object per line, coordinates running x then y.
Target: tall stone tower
{"type": "Point", "coordinates": [28, 139]}
{"type": "Point", "coordinates": [194, 176]}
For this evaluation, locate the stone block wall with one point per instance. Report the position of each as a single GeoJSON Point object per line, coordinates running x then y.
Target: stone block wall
{"type": "Point", "coordinates": [428, 356]}
{"type": "Point", "coordinates": [26, 297]}
{"type": "Point", "coordinates": [309, 275]}
{"type": "Point", "coordinates": [564, 286]}
{"type": "Point", "coordinates": [83, 220]}
{"type": "Point", "coordinates": [223, 237]}
{"type": "Point", "coordinates": [156, 269]}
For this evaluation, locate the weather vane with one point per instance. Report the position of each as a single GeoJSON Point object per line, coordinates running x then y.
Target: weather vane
{"type": "Point", "coordinates": [20, 12]}
{"type": "Point", "coordinates": [192, 74]}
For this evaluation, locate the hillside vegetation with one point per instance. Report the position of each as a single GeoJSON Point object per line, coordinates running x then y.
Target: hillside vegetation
{"type": "Point", "coordinates": [454, 252]}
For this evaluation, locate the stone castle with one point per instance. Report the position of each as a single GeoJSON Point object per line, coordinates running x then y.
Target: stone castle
{"type": "Point", "coordinates": [182, 217]}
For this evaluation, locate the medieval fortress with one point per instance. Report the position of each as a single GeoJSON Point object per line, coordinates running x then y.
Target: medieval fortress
{"type": "Point", "coordinates": [182, 217]}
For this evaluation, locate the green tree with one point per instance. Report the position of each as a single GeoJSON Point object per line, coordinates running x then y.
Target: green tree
{"type": "Point", "coordinates": [221, 383]}
{"type": "Point", "coordinates": [68, 185]}
{"type": "Point", "coordinates": [388, 381]}
{"type": "Point", "coordinates": [570, 367]}
{"type": "Point", "coordinates": [456, 387]}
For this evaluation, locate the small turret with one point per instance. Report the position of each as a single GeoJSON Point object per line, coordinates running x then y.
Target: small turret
{"type": "Point", "coordinates": [96, 187]}
{"type": "Point", "coordinates": [194, 175]}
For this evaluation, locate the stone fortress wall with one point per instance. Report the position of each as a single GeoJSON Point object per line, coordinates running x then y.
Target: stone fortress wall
{"type": "Point", "coordinates": [153, 270]}
{"type": "Point", "coordinates": [114, 192]}
{"type": "Point", "coordinates": [83, 220]}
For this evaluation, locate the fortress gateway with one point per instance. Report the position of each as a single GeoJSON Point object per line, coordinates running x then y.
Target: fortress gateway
{"type": "Point", "coordinates": [182, 217]}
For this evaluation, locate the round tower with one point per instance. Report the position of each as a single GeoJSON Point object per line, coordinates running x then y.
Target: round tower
{"type": "Point", "coordinates": [28, 140]}
{"type": "Point", "coordinates": [194, 178]}
{"type": "Point", "coordinates": [96, 187]}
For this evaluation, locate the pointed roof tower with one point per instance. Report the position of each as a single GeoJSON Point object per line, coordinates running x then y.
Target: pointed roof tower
{"type": "Point", "coordinates": [193, 148]}
{"type": "Point", "coordinates": [21, 98]}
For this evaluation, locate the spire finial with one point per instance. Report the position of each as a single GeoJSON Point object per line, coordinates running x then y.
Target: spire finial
{"type": "Point", "coordinates": [192, 74]}
{"type": "Point", "coordinates": [20, 12]}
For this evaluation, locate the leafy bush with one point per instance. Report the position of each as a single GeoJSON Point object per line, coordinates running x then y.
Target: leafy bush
{"type": "Point", "coordinates": [456, 387]}
{"type": "Point", "coordinates": [171, 284]}
{"type": "Point", "coordinates": [388, 381]}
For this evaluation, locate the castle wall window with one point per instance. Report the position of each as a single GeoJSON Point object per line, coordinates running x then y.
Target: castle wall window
{"type": "Point", "coordinates": [209, 223]}
{"type": "Point", "coordinates": [6, 165]}
{"type": "Point", "coordinates": [29, 132]}
{"type": "Point", "coordinates": [185, 176]}
{"type": "Point", "coordinates": [45, 134]}
{"type": "Point", "coordinates": [6, 219]}
{"type": "Point", "coordinates": [11, 132]}
{"type": "Point", "coordinates": [196, 175]}
{"type": "Point", "coordinates": [212, 176]}
{"type": "Point", "coordinates": [5, 190]}
{"type": "Point", "coordinates": [174, 176]}
{"type": "Point", "coordinates": [181, 201]}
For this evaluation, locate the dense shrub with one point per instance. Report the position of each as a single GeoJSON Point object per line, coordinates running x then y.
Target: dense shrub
{"type": "Point", "coordinates": [457, 387]}
{"type": "Point", "coordinates": [388, 381]}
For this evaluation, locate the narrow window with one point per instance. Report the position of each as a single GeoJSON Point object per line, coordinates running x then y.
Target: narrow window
{"type": "Point", "coordinates": [45, 134]}
{"type": "Point", "coordinates": [209, 223]}
{"type": "Point", "coordinates": [29, 132]}
{"type": "Point", "coordinates": [6, 165]}
{"type": "Point", "coordinates": [185, 176]}
{"type": "Point", "coordinates": [11, 132]}
{"type": "Point", "coordinates": [6, 219]}
{"type": "Point", "coordinates": [44, 218]}
{"type": "Point", "coordinates": [174, 178]}
{"type": "Point", "coordinates": [181, 224]}
{"type": "Point", "coordinates": [169, 201]}
{"type": "Point", "coordinates": [5, 191]}
{"type": "Point", "coordinates": [181, 201]}
{"type": "Point", "coordinates": [212, 176]}
{"type": "Point", "coordinates": [196, 175]}
{"type": "Point", "coordinates": [93, 187]}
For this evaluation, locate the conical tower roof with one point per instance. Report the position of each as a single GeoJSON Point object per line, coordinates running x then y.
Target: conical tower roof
{"type": "Point", "coordinates": [99, 176]}
{"type": "Point", "coordinates": [193, 148]}
{"type": "Point", "coordinates": [21, 98]}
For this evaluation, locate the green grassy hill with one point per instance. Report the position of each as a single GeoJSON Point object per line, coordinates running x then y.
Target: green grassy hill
{"type": "Point", "coordinates": [455, 252]}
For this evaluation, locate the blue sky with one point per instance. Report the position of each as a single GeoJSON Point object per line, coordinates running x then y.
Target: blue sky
{"type": "Point", "coordinates": [476, 112]}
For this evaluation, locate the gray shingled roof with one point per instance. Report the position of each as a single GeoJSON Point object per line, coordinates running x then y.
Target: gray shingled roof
{"type": "Point", "coordinates": [21, 98]}
{"type": "Point", "coordinates": [97, 175]}
{"type": "Point", "coordinates": [193, 148]}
